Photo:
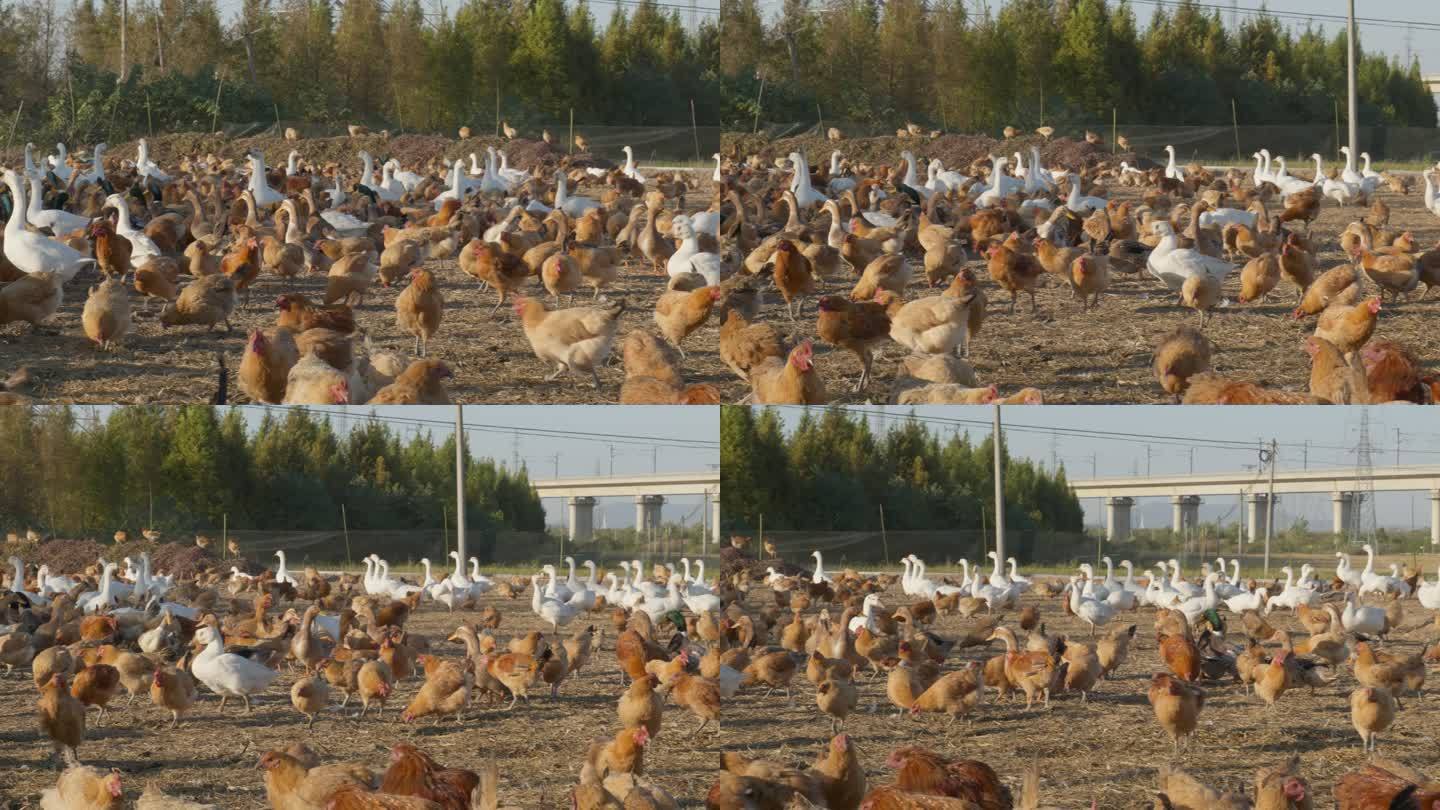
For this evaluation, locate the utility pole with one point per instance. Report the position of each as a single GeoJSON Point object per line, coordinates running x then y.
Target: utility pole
{"type": "Point", "coordinates": [1147, 461]}
{"type": "Point", "coordinates": [1192, 461]}
{"type": "Point", "coordinates": [1397, 447]}
{"type": "Point", "coordinates": [460, 480]}
{"type": "Point", "coordinates": [654, 459]}
{"type": "Point", "coordinates": [1307, 454]}
{"type": "Point", "coordinates": [556, 458]}
{"type": "Point", "coordinates": [1350, 77]}
{"type": "Point", "coordinates": [612, 460]}
{"type": "Point", "coordinates": [999, 490]}
{"type": "Point", "coordinates": [1270, 508]}
{"type": "Point", "coordinates": [124, 53]}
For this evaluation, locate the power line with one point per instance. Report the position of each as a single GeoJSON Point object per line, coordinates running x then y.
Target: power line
{"type": "Point", "coordinates": [569, 435]}
{"type": "Point", "coordinates": [1298, 15]}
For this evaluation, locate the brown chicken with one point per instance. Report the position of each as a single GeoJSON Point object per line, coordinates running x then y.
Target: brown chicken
{"type": "Point", "coordinates": [1386, 785]}
{"type": "Point", "coordinates": [1177, 706]}
{"type": "Point", "coordinates": [112, 251]}
{"type": "Point", "coordinates": [204, 301]}
{"type": "Point", "coordinates": [173, 689]}
{"type": "Point", "coordinates": [836, 697]}
{"type": "Point", "coordinates": [1258, 277]}
{"type": "Point", "coordinates": [794, 277]}
{"type": "Point", "coordinates": [1297, 266]}
{"type": "Point", "coordinates": [266, 364]}
{"type": "Point", "coordinates": [1348, 327]}
{"type": "Point", "coordinates": [652, 375]}
{"type": "Point", "coordinates": [300, 314]}
{"type": "Point", "coordinates": [62, 717]}
{"type": "Point", "coordinates": [289, 785]}
{"type": "Point", "coordinates": [446, 691]}
{"type": "Point", "coordinates": [158, 279]}
{"type": "Point", "coordinates": [1272, 680]}
{"type": "Point", "coordinates": [1090, 277]}
{"type": "Point", "coordinates": [955, 694]}
{"type": "Point", "coordinates": [95, 685]}
{"type": "Point", "coordinates": [350, 278]}
{"type": "Point", "coordinates": [745, 346]}
{"type": "Point", "coordinates": [774, 669]}
{"type": "Point", "coordinates": [106, 317]}
{"type": "Point", "coordinates": [1372, 710]}
{"type": "Point", "coordinates": [889, 272]}
{"type": "Point", "coordinates": [419, 309]}
{"type": "Point", "coordinates": [575, 339]}
{"type": "Point", "coordinates": [518, 672]}
{"type": "Point", "coordinates": [1392, 373]}
{"type": "Point", "coordinates": [791, 382]}
{"type": "Point", "coordinates": [491, 265]}
{"type": "Point", "coordinates": [927, 773]}
{"type": "Point", "coordinates": [375, 682]}
{"type": "Point", "coordinates": [1333, 378]}
{"type": "Point", "coordinates": [242, 266]}
{"type": "Point", "coordinates": [701, 696]}
{"type": "Point", "coordinates": [1212, 389]}
{"type": "Point", "coordinates": [679, 314]}
{"type": "Point", "coordinates": [31, 298]}
{"type": "Point", "coordinates": [641, 705]}
{"type": "Point", "coordinates": [84, 788]}
{"type": "Point", "coordinates": [1015, 272]}
{"type": "Point", "coordinates": [412, 772]}
{"type": "Point", "coordinates": [1338, 285]}
{"type": "Point", "coordinates": [1181, 354]}
{"type": "Point", "coordinates": [858, 326]}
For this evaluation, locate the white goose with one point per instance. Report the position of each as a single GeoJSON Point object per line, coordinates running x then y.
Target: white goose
{"type": "Point", "coordinates": [1342, 190]}
{"type": "Point", "coordinates": [1173, 171]}
{"type": "Point", "coordinates": [346, 225]}
{"type": "Point", "coordinates": [716, 176]}
{"type": "Point", "coordinates": [1189, 589]}
{"type": "Point", "coordinates": [630, 170]}
{"type": "Point", "coordinates": [553, 611]}
{"type": "Point", "coordinates": [688, 257]}
{"type": "Point", "coordinates": [655, 607]}
{"type": "Point", "coordinates": [97, 167]}
{"type": "Point", "coordinates": [64, 170]}
{"type": "Point", "coordinates": [408, 180]}
{"type": "Point", "coordinates": [479, 583]}
{"type": "Point", "coordinates": [1091, 588]}
{"type": "Point", "coordinates": [651, 590]}
{"type": "Point", "coordinates": [31, 252]}
{"type": "Point", "coordinates": [1248, 600]}
{"type": "Point", "coordinates": [806, 195]}
{"type": "Point", "coordinates": [227, 674]}
{"type": "Point", "coordinates": [867, 615]}
{"type": "Point", "coordinates": [1432, 200]}
{"type": "Point", "coordinates": [58, 220]}
{"type": "Point", "coordinates": [1023, 583]}
{"type": "Point", "coordinates": [1429, 592]}
{"type": "Point", "coordinates": [1348, 174]}
{"type": "Point", "coordinates": [574, 207]}
{"type": "Point", "coordinates": [147, 167]}
{"type": "Point", "coordinates": [1195, 607]}
{"type": "Point", "coordinates": [819, 575]}
{"type": "Point", "coordinates": [17, 583]}
{"type": "Point", "coordinates": [1364, 619]}
{"type": "Point", "coordinates": [554, 589]}
{"type": "Point", "coordinates": [1091, 611]}
{"type": "Point", "coordinates": [282, 574]}
{"type": "Point", "coordinates": [838, 184]}
{"type": "Point", "coordinates": [1371, 582]}
{"type": "Point", "coordinates": [1172, 265]}
{"type": "Point", "coordinates": [1346, 572]}
{"type": "Point", "coordinates": [264, 195]}
{"type": "Point", "coordinates": [142, 247]}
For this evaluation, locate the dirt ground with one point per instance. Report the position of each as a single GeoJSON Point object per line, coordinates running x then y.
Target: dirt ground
{"type": "Point", "coordinates": [1105, 750]}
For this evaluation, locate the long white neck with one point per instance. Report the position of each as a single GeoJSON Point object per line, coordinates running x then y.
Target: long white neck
{"type": "Point", "coordinates": [685, 563]}
{"type": "Point", "coordinates": [368, 173]}
{"type": "Point", "coordinates": [33, 209]}
{"type": "Point", "coordinates": [700, 571]}
{"type": "Point", "coordinates": [1366, 156]}
{"type": "Point", "coordinates": [911, 176]}
{"type": "Point", "coordinates": [281, 555]}
{"type": "Point", "coordinates": [474, 568]}
{"type": "Point", "coordinates": [19, 582]}
{"type": "Point", "coordinates": [425, 561]}
{"type": "Point", "coordinates": [834, 163]}
{"type": "Point", "coordinates": [1369, 560]}
{"type": "Point", "coordinates": [819, 563]}
{"type": "Point", "coordinates": [535, 598]}
{"type": "Point", "coordinates": [14, 227]}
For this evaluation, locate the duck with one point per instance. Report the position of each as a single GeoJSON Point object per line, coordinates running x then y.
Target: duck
{"type": "Point", "coordinates": [1172, 265]}
{"type": "Point", "coordinates": [228, 674]}
{"type": "Point", "coordinates": [31, 252]}
{"type": "Point", "coordinates": [58, 220]}
{"type": "Point", "coordinates": [688, 258]}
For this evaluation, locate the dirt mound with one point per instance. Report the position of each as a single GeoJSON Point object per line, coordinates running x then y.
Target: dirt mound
{"type": "Point", "coordinates": [68, 557]}
{"type": "Point", "coordinates": [179, 560]}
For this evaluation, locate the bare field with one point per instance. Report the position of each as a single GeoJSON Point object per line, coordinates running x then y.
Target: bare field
{"type": "Point", "coordinates": [1105, 750]}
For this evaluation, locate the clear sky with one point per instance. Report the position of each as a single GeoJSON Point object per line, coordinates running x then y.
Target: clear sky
{"type": "Point", "coordinates": [1390, 38]}
{"type": "Point", "coordinates": [1109, 440]}
{"type": "Point", "coordinates": [641, 439]}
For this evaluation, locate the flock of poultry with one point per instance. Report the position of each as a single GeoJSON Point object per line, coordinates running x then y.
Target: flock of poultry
{"type": "Point", "coordinates": [888, 233]}
{"type": "Point", "coordinates": [198, 239]}
{"type": "Point", "coordinates": [89, 637]}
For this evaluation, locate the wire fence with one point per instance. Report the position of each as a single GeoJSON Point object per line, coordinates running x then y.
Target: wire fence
{"type": "Point", "coordinates": [1196, 143]}
{"type": "Point", "coordinates": [329, 549]}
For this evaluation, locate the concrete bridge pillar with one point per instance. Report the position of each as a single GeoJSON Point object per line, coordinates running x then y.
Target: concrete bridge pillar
{"type": "Point", "coordinates": [1259, 514]}
{"type": "Point", "coordinates": [1342, 509]}
{"type": "Point", "coordinates": [715, 519]}
{"type": "Point", "coordinates": [1117, 518]}
{"type": "Point", "coordinates": [582, 519]}
{"type": "Point", "coordinates": [1185, 512]}
{"type": "Point", "coordinates": [647, 512]}
{"type": "Point", "coordinates": [1435, 517]}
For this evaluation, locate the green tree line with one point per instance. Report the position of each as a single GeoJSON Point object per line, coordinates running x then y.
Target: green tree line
{"type": "Point", "coordinates": [72, 474]}
{"type": "Point", "coordinates": [832, 472]}
{"type": "Point", "coordinates": [399, 64]}
{"type": "Point", "coordinates": [1067, 63]}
